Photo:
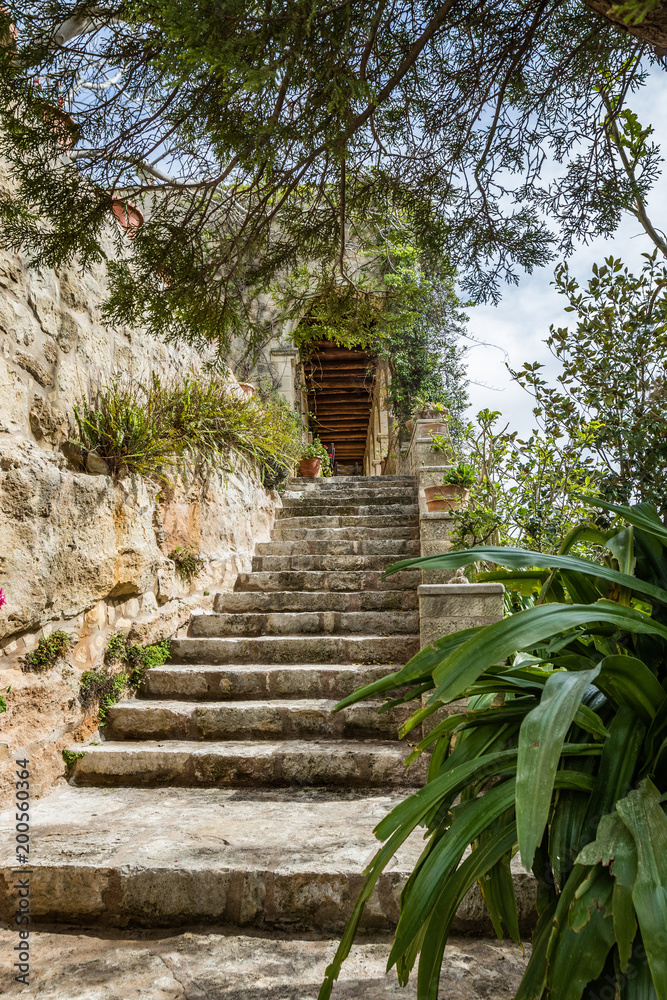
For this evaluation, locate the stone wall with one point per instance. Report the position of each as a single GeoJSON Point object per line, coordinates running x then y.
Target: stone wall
{"type": "Point", "coordinates": [81, 552]}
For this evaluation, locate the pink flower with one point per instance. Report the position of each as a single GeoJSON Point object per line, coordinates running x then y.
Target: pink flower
{"type": "Point", "coordinates": [3, 599]}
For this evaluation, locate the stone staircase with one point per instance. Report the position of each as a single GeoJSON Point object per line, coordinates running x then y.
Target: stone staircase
{"type": "Point", "coordinates": [228, 792]}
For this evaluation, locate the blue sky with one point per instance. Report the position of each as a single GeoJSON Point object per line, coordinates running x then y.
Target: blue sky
{"type": "Point", "coordinates": [517, 327]}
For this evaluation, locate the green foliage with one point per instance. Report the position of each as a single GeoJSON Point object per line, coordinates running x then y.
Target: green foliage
{"type": "Point", "coordinates": [71, 756]}
{"type": "Point", "coordinates": [105, 686]}
{"type": "Point", "coordinates": [188, 562]}
{"type": "Point", "coordinates": [49, 650]}
{"type": "Point", "coordinates": [526, 492]}
{"type": "Point", "coordinates": [441, 444]}
{"type": "Point", "coordinates": [317, 450]}
{"type": "Point", "coordinates": [195, 422]}
{"type": "Point", "coordinates": [3, 700]}
{"type": "Point", "coordinates": [461, 475]}
{"type": "Point", "coordinates": [560, 755]}
{"type": "Point", "coordinates": [613, 387]}
{"type": "Point", "coordinates": [262, 143]}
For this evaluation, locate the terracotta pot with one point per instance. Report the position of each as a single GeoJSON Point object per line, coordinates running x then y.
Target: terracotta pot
{"type": "Point", "coordinates": [409, 426]}
{"type": "Point", "coordinates": [310, 468]}
{"type": "Point", "coordinates": [437, 427]}
{"type": "Point", "coordinates": [451, 496]}
{"type": "Point", "coordinates": [10, 36]}
{"type": "Point", "coordinates": [383, 463]}
{"type": "Point", "coordinates": [248, 389]}
{"type": "Point", "coordinates": [128, 216]}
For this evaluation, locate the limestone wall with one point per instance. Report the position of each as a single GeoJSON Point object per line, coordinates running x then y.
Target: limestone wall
{"type": "Point", "coordinates": [80, 552]}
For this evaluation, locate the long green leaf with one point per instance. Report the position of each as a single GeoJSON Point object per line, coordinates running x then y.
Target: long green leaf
{"type": "Point", "coordinates": [525, 558]}
{"type": "Point", "coordinates": [643, 516]}
{"type": "Point", "coordinates": [642, 814]}
{"type": "Point", "coordinates": [616, 771]}
{"type": "Point", "coordinates": [527, 629]}
{"type": "Point", "coordinates": [628, 681]}
{"type": "Point", "coordinates": [541, 739]}
{"type": "Point", "coordinates": [638, 984]}
{"type": "Point", "coordinates": [482, 860]}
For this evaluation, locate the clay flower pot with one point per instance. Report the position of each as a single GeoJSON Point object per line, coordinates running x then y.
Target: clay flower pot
{"type": "Point", "coordinates": [409, 426]}
{"type": "Point", "coordinates": [248, 389]}
{"type": "Point", "coordinates": [128, 216]}
{"type": "Point", "coordinates": [437, 427]}
{"type": "Point", "coordinates": [450, 496]}
{"type": "Point", "coordinates": [310, 468]}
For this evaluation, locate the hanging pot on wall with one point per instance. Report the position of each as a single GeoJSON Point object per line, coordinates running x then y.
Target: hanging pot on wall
{"type": "Point", "coordinates": [127, 215]}
{"type": "Point", "coordinates": [62, 126]}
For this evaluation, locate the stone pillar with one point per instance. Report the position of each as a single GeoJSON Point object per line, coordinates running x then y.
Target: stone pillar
{"type": "Point", "coordinates": [448, 607]}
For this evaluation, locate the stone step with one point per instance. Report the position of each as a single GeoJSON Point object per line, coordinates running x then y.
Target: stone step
{"type": "Point", "coordinates": [203, 681]}
{"type": "Point", "coordinates": [399, 548]}
{"type": "Point", "coordinates": [285, 520]}
{"type": "Point", "coordinates": [241, 602]}
{"type": "Point", "coordinates": [328, 580]}
{"type": "Point", "coordinates": [311, 508]}
{"type": "Point", "coordinates": [333, 563]}
{"type": "Point", "coordinates": [347, 497]}
{"type": "Point", "coordinates": [334, 483]}
{"type": "Point", "coordinates": [304, 718]}
{"type": "Point", "coordinates": [282, 532]}
{"type": "Point", "coordinates": [220, 966]}
{"type": "Point", "coordinates": [296, 649]}
{"type": "Point", "coordinates": [305, 623]}
{"type": "Point", "coordinates": [288, 860]}
{"type": "Point", "coordinates": [243, 764]}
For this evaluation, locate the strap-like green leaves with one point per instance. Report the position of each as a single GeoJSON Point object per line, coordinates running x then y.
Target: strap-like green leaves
{"type": "Point", "coordinates": [527, 559]}
{"type": "Point", "coordinates": [541, 739]}
{"type": "Point", "coordinates": [525, 630]}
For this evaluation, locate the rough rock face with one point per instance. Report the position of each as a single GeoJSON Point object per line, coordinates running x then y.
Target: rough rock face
{"type": "Point", "coordinates": [80, 551]}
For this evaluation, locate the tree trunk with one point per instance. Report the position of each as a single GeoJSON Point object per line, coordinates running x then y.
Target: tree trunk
{"type": "Point", "coordinates": [653, 29]}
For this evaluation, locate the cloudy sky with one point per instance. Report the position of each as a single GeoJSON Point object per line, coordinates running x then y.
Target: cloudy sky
{"type": "Point", "coordinates": [517, 327]}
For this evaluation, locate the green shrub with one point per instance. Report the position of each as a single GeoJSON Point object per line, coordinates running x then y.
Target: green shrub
{"type": "Point", "coordinates": [460, 475]}
{"type": "Point", "coordinates": [195, 422]}
{"type": "Point", "coordinates": [188, 562]}
{"type": "Point", "coordinates": [561, 756]}
{"type": "Point", "coordinates": [49, 650]}
{"type": "Point", "coordinates": [104, 687]}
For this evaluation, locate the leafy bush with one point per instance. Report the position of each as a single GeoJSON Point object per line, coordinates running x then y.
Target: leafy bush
{"type": "Point", "coordinates": [561, 754]}
{"type": "Point", "coordinates": [49, 650]}
{"type": "Point", "coordinates": [104, 687]}
{"type": "Point", "coordinates": [147, 429]}
{"type": "Point", "coordinates": [71, 756]}
{"type": "Point", "coordinates": [188, 562]}
{"type": "Point", "coordinates": [461, 475]}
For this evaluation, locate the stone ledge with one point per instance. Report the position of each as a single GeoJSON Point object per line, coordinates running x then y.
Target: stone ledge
{"type": "Point", "coordinates": [435, 589]}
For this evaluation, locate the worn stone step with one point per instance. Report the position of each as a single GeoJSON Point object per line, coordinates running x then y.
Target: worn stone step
{"type": "Point", "coordinates": [242, 764]}
{"type": "Point", "coordinates": [283, 719]}
{"type": "Point", "coordinates": [204, 681]}
{"type": "Point", "coordinates": [311, 508]}
{"type": "Point", "coordinates": [328, 580]}
{"type": "Point", "coordinates": [285, 520]}
{"type": "Point", "coordinates": [242, 601]}
{"type": "Point", "coordinates": [220, 966]}
{"type": "Point", "coordinates": [333, 563]}
{"type": "Point", "coordinates": [346, 497]}
{"type": "Point", "coordinates": [282, 532]}
{"type": "Point", "coordinates": [305, 623]}
{"type": "Point", "coordinates": [296, 649]}
{"type": "Point", "coordinates": [335, 483]}
{"type": "Point", "coordinates": [398, 548]}
{"type": "Point", "coordinates": [168, 857]}
{"type": "Point", "coordinates": [280, 860]}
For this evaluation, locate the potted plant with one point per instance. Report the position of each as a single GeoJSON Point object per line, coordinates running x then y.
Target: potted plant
{"type": "Point", "coordinates": [426, 410]}
{"type": "Point", "coordinates": [314, 461]}
{"type": "Point", "coordinates": [455, 488]}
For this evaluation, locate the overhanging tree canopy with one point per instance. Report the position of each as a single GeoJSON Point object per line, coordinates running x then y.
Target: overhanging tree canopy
{"type": "Point", "coordinates": [261, 137]}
